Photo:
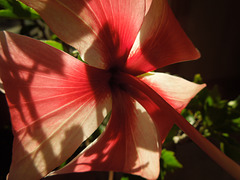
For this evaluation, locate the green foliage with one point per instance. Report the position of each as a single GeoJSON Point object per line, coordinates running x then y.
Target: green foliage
{"type": "Point", "coordinates": [124, 178]}
{"type": "Point", "coordinates": [168, 162]}
{"type": "Point", "coordinates": [55, 44]}
{"type": "Point", "coordinates": [216, 118]}
{"type": "Point", "coordinates": [17, 10]}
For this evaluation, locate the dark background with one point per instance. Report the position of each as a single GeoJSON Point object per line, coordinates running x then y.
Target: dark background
{"type": "Point", "coordinates": [213, 26]}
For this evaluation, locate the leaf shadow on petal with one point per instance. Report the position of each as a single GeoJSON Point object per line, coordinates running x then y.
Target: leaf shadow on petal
{"type": "Point", "coordinates": [117, 149]}
{"type": "Point", "coordinates": [110, 51]}
{"type": "Point", "coordinates": [103, 155]}
{"type": "Point", "coordinates": [160, 42]}
{"type": "Point", "coordinates": [24, 110]}
{"type": "Point", "coordinates": [13, 95]}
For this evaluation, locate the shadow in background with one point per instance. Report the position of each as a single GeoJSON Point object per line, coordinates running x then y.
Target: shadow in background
{"type": "Point", "coordinates": [213, 28]}
{"type": "Point", "coordinates": [6, 138]}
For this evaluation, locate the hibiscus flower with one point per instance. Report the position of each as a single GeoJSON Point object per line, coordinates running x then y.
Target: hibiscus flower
{"type": "Point", "coordinates": [57, 101]}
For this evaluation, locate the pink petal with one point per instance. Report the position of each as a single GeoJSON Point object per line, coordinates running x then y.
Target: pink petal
{"type": "Point", "coordinates": [102, 31]}
{"type": "Point", "coordinates": [161, 116]}
{"type": "Point", "coordinates": [160, 42]}
{"type": "Point", "coordinates": [129, 144]}
{"type": "Point", "coordinates": [174, 90]}
{"type": "Point", "coordinates": [55, 102]}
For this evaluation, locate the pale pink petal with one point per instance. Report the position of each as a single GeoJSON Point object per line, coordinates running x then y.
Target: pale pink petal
{"type": "Point", "coordinates": [129, 144]}
{"type": "Point", "coordinates": [161, 116]}
{"type": "Point", "coordinates": [55, 102]}
{"type": "Point", "coordinates": [174, 90]}
{"type": "Point", "coordinates": [1, 87]}
{"type": "Point", "coordinates": [102, 30]}
{"type": "Point", "coordinates": [146, 89]}
{"type": "Point", "coordinates": [160, 42]}
{"type": "Point", "coordinates": [148, 5]}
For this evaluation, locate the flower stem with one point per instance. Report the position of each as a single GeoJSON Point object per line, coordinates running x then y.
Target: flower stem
{"type": "Point", "coordinates": [110, 175]}
{"type": "Point", "coordinates": [135, 86]}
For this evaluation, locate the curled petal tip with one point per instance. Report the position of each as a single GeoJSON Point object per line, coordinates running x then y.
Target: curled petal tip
{"type": "Point", "coordinates": [160, 42]}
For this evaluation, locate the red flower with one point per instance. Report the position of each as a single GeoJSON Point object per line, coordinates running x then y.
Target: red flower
{"type": "Point", "coordinates": [57, 101]}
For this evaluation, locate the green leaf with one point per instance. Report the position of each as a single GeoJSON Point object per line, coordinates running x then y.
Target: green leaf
{"type": "Point", "coordinates": [7, 13]}
{"type": "Point", "coordinates": [124, 178]}
{"type": "Point", "coordinates": [169, 160]}
{"type": "Point", "coordinates": [54, 44]}
{"type": "Point", "coordinates": [198, 79]}
{"type": "Point", "coordinates": [4, 4]}
{"type": "Point", "coordinates": [236, 122]}
{"type": "Point", "coordinates": [189, 116]}
{"type": "Point", "coordinates": [231, 147]}
{"type": "Point", "coordinates": [17, 10]}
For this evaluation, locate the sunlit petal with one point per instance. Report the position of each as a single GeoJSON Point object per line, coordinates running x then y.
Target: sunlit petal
{"type": "Point", "coordinates": [161, 116]}
{"type": "Point", "coordinates": [175, 90]}
{"type": "Point", "coordinates": [148, 5]}
{"type": "Point", "coordinates": [102, 31]}
{"type": "Point", "coordinates": [55, 102]}
{"type": "Point", "coordinates": [1, 87]}
{"type": "Point", "coordinates": [129, 144]}
{"type": "Point", "coordinates": [160, 42]}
